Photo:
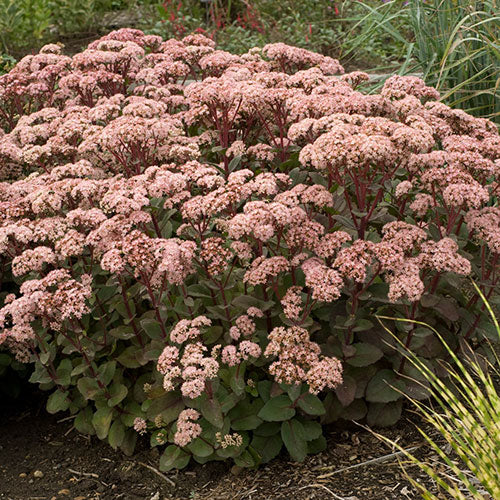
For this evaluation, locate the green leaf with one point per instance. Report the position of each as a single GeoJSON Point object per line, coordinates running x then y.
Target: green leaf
{"type": "Point", "coordinates": [123, 332]}
{"type": "Point", "coordinates": [197, 290]}
{"type": "Point", "coordinates": [346, 391]}
{"type": "Point", "coordinates": [264, 388]}
{"type": "Point", "coordinates": [200, 448]}
{"type": "Point", "coordinates": [379, 291]}
{"type": "Point", "coordinates": [292, 433]}
{"type": "Point", "coordinates": [58, 401]}
{"type": "Point", "coordinates": [362, 325]}
{"type": "Point", "coordinates": [244, 416]}
{"type": "Point", "coordinates": [420, 337]}
{"type": "Point", "coordinates": [218, 312]}
{"type": "Point", "coordinates": [312, 429]}
{"type": "Point", "coordinates": [173, 458]}
{"type": "Point", "coordinates": [212, 334]}
{"type": "Point", "coordinates": [277, 409]}
{"type": "Point", "coordinates": [101, 421]}
{"type": "Point", "coordinates": [232, 450]}
{"type": "Point", "coordinates": [267, 447]}
{"type": "Point", "coordinates": [211, 410]}
{"type": "Point", "coordinates": [152, 328]}
{"type": "Point", "coordinates": [44, 357]}
{"type": "Point", "coordinates": [118, 393]}
{"type": "Point", "coordinates": [64, 372]}
{"type": "Point", "coordinates": [245, 460]}
{"type": "Point", "coordinates": [448, 308]}
{"type": "Point", "coordinates": [384, 414]}
{"type": "Point", "coordinates": [267, 429]}
{"type": "Point", "coordinates": [233, 164]}
{"type": "Point", "coordinates": [106, 372]}
{"type": "Point", "coordinates": [128, 442]}
{"type": "Point", "coordinates": [79, 369]}
{"type": "Point", "coordinates": [106, 292]}
{"type": "Point", "coordinates": [116, 434]}
{"type": "Point", "coordinates": [311, 404]}
{"type": "Point", "coordinates": [247, 423]}
{"type": "Point", "coordinates": [230, 401]}
{"type": "Point", "coordinates": [83, 421]}
{"type": "Point", "coordinates": [316, 445]}
{"type": "Point", "coordinates": [292, 390]}
{"type": "Point", "coordinates": [355, 411]}
{"type": "Point", "coordinates": [334, 410]}
{"type": "Point", "coordinates": [40, 375]}
{"type": "Point", "coordinates": [365, 354]}
{"type": "Point", "coordinates": [167, 408]}
{"type": "Point", "coordinates": [204, 460]}
{"type": "Point", "coordinates": [88, 387]}
{"type": "Point", "coordinates": [246, 301]}
{"type": "Point", "coordinates": [384, 387]}
{"type": "Point", "coordinates": [122, 309]}
{"type": "Point", "coordinates": [237, 378]}
{"type": "Point", "coordinates": [128, 357]}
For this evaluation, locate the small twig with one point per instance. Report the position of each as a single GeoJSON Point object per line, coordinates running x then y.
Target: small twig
{"type": "Point", "coordinates": [372, 461]}
{"type": "Point", "coordinates": [90, 474]}
{"type": "Point", "coordinates": [69, 430]}
{"type": "Point", "coordinates": [334, 495]}
{"type": "Point", "coordinates": [249, 492]}
{"type": "Point", "coordinates": [65, 419]}
{"type": "Point", "coordinates": [158, 473]}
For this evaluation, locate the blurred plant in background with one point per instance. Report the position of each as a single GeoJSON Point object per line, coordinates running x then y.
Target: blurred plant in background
{"type": "Point", "coordinates": [7, 62]}
{"type": "Point", "coordinates": [325, 26]}
{"type": "Point", "coordinates": [23, 22]}
{"type": "Point", "coordinates": [452, 43]}
{"type": "Point", "coordinates": [457, 48]}
{"type": "Point", "coordinates": [332, 28]}
{"type": "Point", "coordinates": [25, 25]}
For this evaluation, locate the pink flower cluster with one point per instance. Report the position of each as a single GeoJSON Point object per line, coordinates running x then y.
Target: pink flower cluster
{"type": "Point", "coordinates": [187, 366]}
{"type": "Point", "coordinates": [187, 429]}
{"type": "Point", "coordinates": [299, 360]}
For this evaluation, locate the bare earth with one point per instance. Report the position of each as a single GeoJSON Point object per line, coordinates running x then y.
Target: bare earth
{"type": "Point", "coordinates": [42, 457]}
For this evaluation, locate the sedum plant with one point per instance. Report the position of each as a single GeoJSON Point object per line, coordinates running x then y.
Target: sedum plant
{"type": "Point", "coordinates": [194, 243]}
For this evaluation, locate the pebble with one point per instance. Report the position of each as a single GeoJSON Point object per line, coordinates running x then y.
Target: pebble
{"type": "Point", "coordinates": [23, 474]}
{"type": "Point", "coordinates": [236, 470]}
{"type": "Point", "coordinates": [38, 474]}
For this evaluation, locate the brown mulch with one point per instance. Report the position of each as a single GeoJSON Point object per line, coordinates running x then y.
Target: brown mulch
{"type": "Point", "coordinates": [42, 457]}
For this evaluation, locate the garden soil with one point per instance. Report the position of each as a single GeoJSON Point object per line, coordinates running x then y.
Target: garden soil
{"type": "Point", "coordinates": [42, 457]}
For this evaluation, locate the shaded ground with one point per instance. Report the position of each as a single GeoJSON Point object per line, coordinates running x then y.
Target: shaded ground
{"type": "Point", "coordinates": [43, 457]}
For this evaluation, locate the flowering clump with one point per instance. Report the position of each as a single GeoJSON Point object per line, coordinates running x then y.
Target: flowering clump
{"type": "Point", "coordinates": [187, 430]}
{"type": "Point", "coordinates": [299, 360]}
{"type": "Point", "coordinates": [195, 244]}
